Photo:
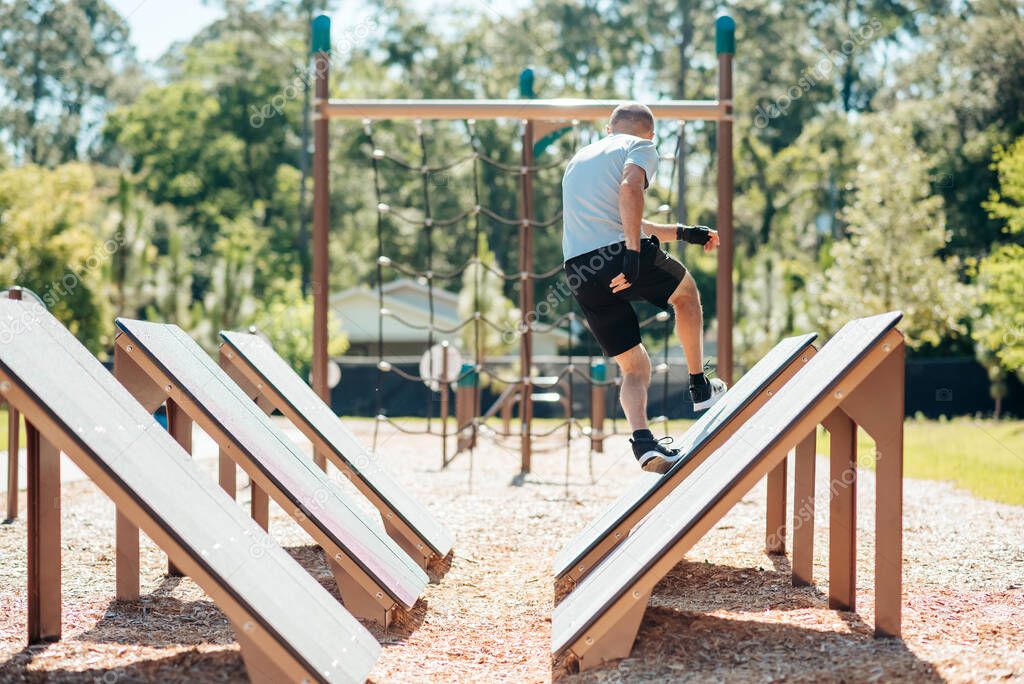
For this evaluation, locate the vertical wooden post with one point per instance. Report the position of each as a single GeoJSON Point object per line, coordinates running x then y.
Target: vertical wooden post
{"type": "Point", "coordinates": [226, 473]}
{"type": "Point", "coordinates": [526, 299]}
{"type": "Point", "coordinates": [13, 443]}
{"type": "Point", "coordinates": [467, 407]}
{"type": "Point", "coordinates": [842, 516]}
{"type": "Point", "coordinates": [725, 46]}
{"type": "Point", "coordinates": [321, 213]}
{"type": "Point", "coordinates": [126, 571]}
{"type": "Point", "coordinates": [180, 427]}
{"type": "Point", "coordinates": [259, 506]}
{"type": "Point", "coordinates": [43, 538]}
{"type": "Point", "coordinates": [803, 511]}
{"type": "Point", "coordinates": [442, 387]}
{"type": "Point", "coordinates": [598, 405]}
{"type": "Point", "coordinates": [775, 511]}
{"type": "Point", "coordinates": [879, 408]}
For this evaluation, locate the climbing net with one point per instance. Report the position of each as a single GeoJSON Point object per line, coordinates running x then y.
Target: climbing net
{"type": "Point", "coordinates": [473, 218]}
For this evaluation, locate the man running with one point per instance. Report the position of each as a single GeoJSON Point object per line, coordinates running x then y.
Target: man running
{"type": "Point", "coordinates": [613, 257]}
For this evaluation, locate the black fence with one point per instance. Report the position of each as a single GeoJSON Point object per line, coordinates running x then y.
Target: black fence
{"type": "Point", "coordinates": [935, 387]}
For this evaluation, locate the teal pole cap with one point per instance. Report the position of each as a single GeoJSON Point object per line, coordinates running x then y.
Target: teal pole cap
{"type": "Point", "coordinates": [321, 34]}
{"type": "Point", "coordinates": [526, 83]}
{"type": "Point", "coordinates": [598, 371]}
{"type": "Point", "coordinates": [467, 375]}
{"type": "Point", "coordinates": [725, 35]}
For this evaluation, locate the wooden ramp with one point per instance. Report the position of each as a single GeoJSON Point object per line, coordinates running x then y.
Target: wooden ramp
{"type": "Point", "coordinates": [289, 627]}
{"type": "Point", "coordinates": [252, 363]}
{"type": "Point", "coordinates": [717, 424]}
{"type": "Point", "coordinates": [159, 362]}
{"type": "Point", "coordinates": [856, 379]}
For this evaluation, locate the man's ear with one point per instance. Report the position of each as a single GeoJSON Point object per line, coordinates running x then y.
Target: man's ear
{"type": "Point", "coordinates": [608, 129]}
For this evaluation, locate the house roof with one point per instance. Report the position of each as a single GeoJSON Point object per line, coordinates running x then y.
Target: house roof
{"type": "Point", "coordinates": [407, 300]}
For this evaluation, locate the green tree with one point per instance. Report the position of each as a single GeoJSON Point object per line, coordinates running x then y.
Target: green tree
{"type": "Point", "coordinates": [220, 141]}
{"type": "Point", "coordinates": [287, 321]}
{"type": "Point", "coordinates": [52, 243]}
{"type": "Point", "coordinates": [891, 258]}
{"type": "Point", "coordinates": [1007, 202]}
{"type": "Point", "coordinates": [963, 83]}
{"type": "Point", "coordinates": [999, 329]}
{"type": "Point", "coordinates": [60, 62]}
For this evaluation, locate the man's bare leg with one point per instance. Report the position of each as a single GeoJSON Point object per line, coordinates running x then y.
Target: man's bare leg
{"type": "Point", "coordinates": [636, 378]}
{"type": "Point", "coordinates": [689, 323]}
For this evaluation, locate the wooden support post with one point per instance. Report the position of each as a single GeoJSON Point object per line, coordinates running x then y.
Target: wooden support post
{"type": "Point", "coordinates": [612, 637]}
{"type": "Point", "coordinates": [775, 510]}
{"type": "Point", "coordinates": [598, 405]}
{"type": "Point", "coordinates": [321, 228]}
{"type": "Point", "coordinates": [364, 603]}
{"type": "Point", "coordinates": [260, 665]}
{"type": "Point", "coordinates": [526, 301]}
{"type": "Point", "coordinates": [126, 537]}
{"type": "Point", "coordinates": [842, 516]}
{"type": "Point", "coordinates": [803, 510]}
{"type": "Point", "coordinates": [180, 427]}
{"type": "Point", "coordinates": [877, 406]}
{"type": "Point", "coordinates": [889, 505]}
{"type": "Point", "coordinates": [443, 388]}
{"type": "Point", "coordinates": [227, 475]}
{"type": "Point", "coordinates": [43, 538]}
{"type": "Point", "coordinates": [467, 408]}
{"type": "Point", "coordinates": [725, 47]}
{"type": "Point", "coordinates": [13, 442]}
{"type": "Point", "coordinates": [13, 445]}
{"type": "Point", "coordinates": [259, 506]}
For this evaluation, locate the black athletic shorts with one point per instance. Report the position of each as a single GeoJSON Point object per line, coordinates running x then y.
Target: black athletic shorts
{"type": "Point", "coordinates": [610, 314]}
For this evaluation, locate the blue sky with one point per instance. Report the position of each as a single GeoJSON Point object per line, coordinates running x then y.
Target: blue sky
{"type": "Point", "coordinates": [157, 24]}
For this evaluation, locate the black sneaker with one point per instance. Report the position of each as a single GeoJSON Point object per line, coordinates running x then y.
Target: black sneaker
{"type": "Point", "coordinates": [705, 395]}
{"type": "Point", "coordinates": [653, 456]}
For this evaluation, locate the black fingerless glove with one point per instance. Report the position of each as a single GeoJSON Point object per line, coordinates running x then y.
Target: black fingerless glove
{"type": "Point", "coordinates": [631, 265]}
{"type": "Point", "coordinates": [695, 235]}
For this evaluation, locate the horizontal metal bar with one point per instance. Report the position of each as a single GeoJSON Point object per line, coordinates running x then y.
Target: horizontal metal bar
{"type": "Point", "coordinates": [537, 110]}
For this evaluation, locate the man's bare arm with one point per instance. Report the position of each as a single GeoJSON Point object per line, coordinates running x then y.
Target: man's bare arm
{"type": "Point", "coordinates": [631, 204]}
{"type": "Point", "coordinates": [666, 232]}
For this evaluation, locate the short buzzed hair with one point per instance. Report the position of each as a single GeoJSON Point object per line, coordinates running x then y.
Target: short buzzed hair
{"type": "Point", "coordinates": [633, 115]}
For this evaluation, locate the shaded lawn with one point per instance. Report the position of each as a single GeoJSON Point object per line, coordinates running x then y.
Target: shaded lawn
{"type": "Point", "coordinates": [3, 431]}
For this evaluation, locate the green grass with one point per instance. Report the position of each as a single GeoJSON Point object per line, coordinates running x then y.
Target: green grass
{"type": "Point", "coordinates": [985, 457]}
{"type": "Point", "coordinates": [3, 431]}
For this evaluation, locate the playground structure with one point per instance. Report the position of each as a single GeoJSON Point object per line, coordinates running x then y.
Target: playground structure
{"type": "Point", "coordinates": [289, 628]}
{"type": "Point", "coordinates": [855, 380]}
{"type": "Point", "coordinates": [539, 118]}
{"type": "Point", "coordinates": [757, 386]}
{"type": "Point", "coordinates": [605, 574]}
{"type": "Point", "coordinates": [159, 363]}
{"type": "Point", "coordinates": [265, 377]}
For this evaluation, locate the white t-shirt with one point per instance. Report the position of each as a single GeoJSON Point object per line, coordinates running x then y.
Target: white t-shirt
{"type": "Point", "coordinates": [590, 191]}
